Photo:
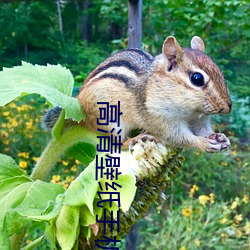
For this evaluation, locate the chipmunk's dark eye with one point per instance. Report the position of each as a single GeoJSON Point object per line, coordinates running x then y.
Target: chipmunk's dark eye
{"type": "Point", "coordinates": [197, 79]}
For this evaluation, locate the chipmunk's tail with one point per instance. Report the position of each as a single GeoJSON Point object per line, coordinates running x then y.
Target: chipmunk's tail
{"type": "Point", "coordinates": [50, 117]}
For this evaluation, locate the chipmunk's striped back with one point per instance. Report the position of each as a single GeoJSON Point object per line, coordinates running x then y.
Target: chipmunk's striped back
{"type": "Point", "coordinates": [124, 66]}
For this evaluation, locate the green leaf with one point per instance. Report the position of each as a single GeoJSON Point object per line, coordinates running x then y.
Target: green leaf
{"type": "Point", "coordinates": [39, 194]}
{"type": "Point", "coordinates": [127, 191]}
{"type": "Point", "coordinates": [34, 243]}
{"type": "Point", "coordinates": [86, 217]}
{"type": "Point", "coordinates": [57, 129]}
{"type": "Point", "coordinates": [9, 168]}
{"type": "Point", "coordinates": [6, 186]}
{"type": "Point", "coordinates": [53, 82]}
{"type": "Point", "coordinates": [82, 151]}
{"type": "Point", "coordinates": [67, 226]}
{"type": "Point", "coordinates": [83, 189]}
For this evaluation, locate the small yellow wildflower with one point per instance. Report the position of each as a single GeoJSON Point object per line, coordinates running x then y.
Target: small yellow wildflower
{"type": "Point", "coordinates": [23, 164]}
{"type": "Point", "coordinates": [187, 211]}
{"type": "Point", "coordinates": [6, 113]}
{"type": "Point", "coordinates": [238, 233]}
{"type": "Point", "coordinates": [197, 242]}
{"type": "Point", "coordinates": [35, 159]}
{"type": "Point", "coordinates": [224, 164]}
{"type": "Point", "coordinates": [223, 220]}
{"type": "Point", "coordinates": [238, 218]}
{"type": "Point", "coordinates": [234, 152]}
{"type": "Point", "coordinates": [235, 203]}
{"type": "Point", "coordinates": [197, 152]}
{"type": "Point", "coordinates": [24, 154]}
{"type": "Point", "coordinates": [211, 195]}
{"type": "Point", "coordinates": [73, 168]}
{"type": "Point", "coordinates": [247, 227]}
{"type": "Point", "coordinates": [245, 199]}
{"type": "Point", "coordinates": [14, 123]}
{"type": "Point", "coordinates": [6, 141]}
{"type": "Point", "coordinates": [238, 160]}
{"type": "Point", "coordinates": [55, 178]}
{"type": "Point", "coordinates": [65, 185]}
{"type": "Point", "coordinates": [193, 190]}
{"type": "Point", "coordinates": [77, 162]}
{"type": "Point", "coordinates": [203, 199]}
{"type": "Point", "coordinates": [70, 178]}
{"type": "Point", "coordinates": [12, 105]}
{"type": "Point", "coordinates": [223, 235]}
{"type": "Point", "coordinates": [29, 124]}
{"type": "Point", "coordinates": [65, 163]}
{"type": "Point", "coordinates": [4, 134]}
{"type": "Point", "coordinates": [183, 248]}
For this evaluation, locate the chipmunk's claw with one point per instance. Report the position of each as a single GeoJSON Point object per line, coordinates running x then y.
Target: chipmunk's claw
{"type": "Point", "coordinates": [218, 142]}
{"type": "Point", "coordinates": [141, 139]}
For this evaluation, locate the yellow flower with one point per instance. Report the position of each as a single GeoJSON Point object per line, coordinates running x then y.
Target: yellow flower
{"type": "Point", "coordinates": [55, 178]}
{"type": "Point", "coordinates": [73, 168]}
{"type": "Point", "coordinates": [183, 248]}
{"type": "Point", "coordinates": [224, 164]}
{"type": "Point", "coordinates": [223, 220]}
{"type": "Point", "coordinates": [203, 199]}
{"type": "Point", "coordinates": [65, 185]}
{"type": "Point", "coordinates": [23, 164]}
{"type": "Point", "coordinates": [238, 233]}
{"type": "Point", "coordinates": [77, 162]}
{"type": "Point", "coordinates": [4, 134]}
{"type": "Point", "coordinates": [211, 195]}
{"type": "Point", "coordinates": [35, 159]}
{"type": "Point", "coordinates": [234, 152]}
{"type": "Point", "coordinates": [223, 235]}
{"type": "Point", "coordinates": [197, 242]}
{"type": "Point", "coordinates": [6, 113]}
{"type": "Point", "coordinates": [12, 105]}
{"type": "Point", "coordinates": [235, 203]}
{"type": "Point", "coordinates": [70, 178]}
{"type": "Point", "coordinates": [238, 218]}
{"type": "Point", "coordinates": [245, 199]}
{"type": "Point", "coordinates": [14, 123]}
{"type": "Point", "coordinates": [29, 124]}
{"type": "Point", "coordinates": [65, 163]}
{"type": "Point", "coordinates": [247, 227]}
{"type": "Point", "coordinates": [187, 211]}
{"type": "Point", "coordinates": [193, 190]}
{"type": "Point", "coordinates": [24, 154]}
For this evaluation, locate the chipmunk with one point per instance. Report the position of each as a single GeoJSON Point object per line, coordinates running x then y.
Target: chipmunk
{"type": "Point", "coordinates": [170, 96]}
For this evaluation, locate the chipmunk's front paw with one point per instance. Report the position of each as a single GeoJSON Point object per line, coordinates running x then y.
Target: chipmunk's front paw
{"type": "Point", "coordinates": [217, 142]}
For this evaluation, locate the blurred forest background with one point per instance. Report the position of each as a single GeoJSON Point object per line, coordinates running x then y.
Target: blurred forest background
{"type": "Point", "coordinates": [208, 204]}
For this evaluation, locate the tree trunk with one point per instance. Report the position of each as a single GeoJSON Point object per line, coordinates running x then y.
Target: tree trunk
{"type": "Point", "coordinates": [135, 23]}
{"type": "Point", "coordinates": [85, 28]}
{"type": "Point", "coordinates": [59, 16]}
{"type": "Point", "coordinates": [131, 238]}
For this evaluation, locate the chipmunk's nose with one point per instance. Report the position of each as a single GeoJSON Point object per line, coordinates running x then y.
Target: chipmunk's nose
{"type": "Point", "coordinates": [227, 108]}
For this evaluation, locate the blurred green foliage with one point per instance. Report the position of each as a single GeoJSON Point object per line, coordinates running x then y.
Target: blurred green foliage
{"type": "Point", "coordinates": [30, 31]}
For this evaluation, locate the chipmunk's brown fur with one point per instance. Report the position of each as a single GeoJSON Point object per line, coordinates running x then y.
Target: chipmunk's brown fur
{"type": "Point", "coordinates": [157, 95]}
{"type": "Point", "coordinates": [169, 96]}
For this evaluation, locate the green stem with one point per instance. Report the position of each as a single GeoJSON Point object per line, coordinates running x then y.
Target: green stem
{"type": "Point", "coordinates": [57, 146]}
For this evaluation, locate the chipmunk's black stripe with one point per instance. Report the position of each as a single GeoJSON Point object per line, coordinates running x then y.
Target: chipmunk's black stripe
{"type": "Point", "coordinates": [118, 63]}
{"type": "Point", "coordinates": [142, 53]}
{"type": "Point", "coordinates": [118, 77]}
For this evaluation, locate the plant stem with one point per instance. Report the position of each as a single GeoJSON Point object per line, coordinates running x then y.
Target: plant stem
{"type": "Point", "coordinates": [56, 147]}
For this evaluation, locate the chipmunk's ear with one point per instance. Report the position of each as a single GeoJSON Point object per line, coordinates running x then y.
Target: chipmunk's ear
{"type": "Point", "coordinates": [171, 49]}
{"type": "Point", "coordinates": [197, 43]}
